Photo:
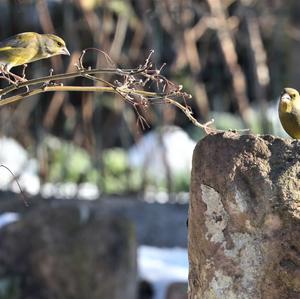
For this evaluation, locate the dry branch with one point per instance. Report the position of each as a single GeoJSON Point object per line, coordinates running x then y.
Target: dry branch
{"type": "Point", "coordinates": [132, 85]}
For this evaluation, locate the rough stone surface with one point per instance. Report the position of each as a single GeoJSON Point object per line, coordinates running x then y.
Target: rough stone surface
{"type": "Point", "coordinates": [244, 218]}
{"type": "Point", "coordinates": [55, 252]}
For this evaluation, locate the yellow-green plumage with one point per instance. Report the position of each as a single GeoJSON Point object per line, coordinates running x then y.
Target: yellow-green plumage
{"type": "Point", "coordinates": [289, 112]}
{"type": "Point", "coordinates": [28, 47]}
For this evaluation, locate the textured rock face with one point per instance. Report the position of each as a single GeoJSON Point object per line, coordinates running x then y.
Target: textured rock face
{"type": "Point", "coordinates": [56, 253]}
{"type": "Point", "coordinates": [244, 218]}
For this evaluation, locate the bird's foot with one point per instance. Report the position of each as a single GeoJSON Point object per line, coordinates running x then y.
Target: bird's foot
{"type": "Point", "coordinates": [4, 76]}
{"type": "Point", "coordinates": [8, 75]}
{"type": "Point", "coordinates": [17, 78]}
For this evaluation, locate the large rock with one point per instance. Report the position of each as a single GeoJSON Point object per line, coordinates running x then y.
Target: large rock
{"type": "Point", "coordinates": [244, 218]}
{"type": "Point", "coordinates": [55, 252]}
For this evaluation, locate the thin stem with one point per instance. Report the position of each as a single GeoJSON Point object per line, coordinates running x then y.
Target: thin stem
{"type": "Point", "coordinates": [80, 73]}
{"type": "Point", "coordinates": [19, 186]}
{"type": "Point", "coordinates": [189, 115]}
{"type": "Point", "coordinates": [126, 88]}
{"type": "Point", "coordinates": [118, 90]}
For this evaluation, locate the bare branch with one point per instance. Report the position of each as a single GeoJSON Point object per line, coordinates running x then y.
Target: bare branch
{"type": "Point", "coordinates": [131, 86]}
{"type": "Point", "coordinates": [19, 186]}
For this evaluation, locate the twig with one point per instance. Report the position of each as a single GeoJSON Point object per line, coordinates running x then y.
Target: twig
{"type": "Point", "coordinates": [189, 115]}
{"type": "Point", "coordinates": [130, 87]}
{"type": "Point", "coordinates": [70, 75]}
{"type": "Point", "coordinates": [19, 186]}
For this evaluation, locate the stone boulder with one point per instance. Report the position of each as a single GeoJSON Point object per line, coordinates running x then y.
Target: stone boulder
{"type": "Point", "coordinates": [54, 252]}
{"type": "Point", "coordinates": [244, 218]}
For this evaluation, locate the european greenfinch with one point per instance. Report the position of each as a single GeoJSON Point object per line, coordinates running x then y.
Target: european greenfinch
{"type": "Point", "coordinates": [289, 112]}
{"type": "Point", "coordinates": [27, 47]}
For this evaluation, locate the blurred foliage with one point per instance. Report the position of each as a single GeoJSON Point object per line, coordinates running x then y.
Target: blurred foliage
{"type": "Point", "coordinates": [119, 178]}
{"type": "Point", "coordinates": [70, 163]}
{"type": "Point", "coordinates": [181, 183]}
{"type": "Point", "coordinates": [233, 56]}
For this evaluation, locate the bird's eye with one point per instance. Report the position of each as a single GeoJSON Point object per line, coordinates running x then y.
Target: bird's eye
{"type": "Point", "coordinates": [59, 44]}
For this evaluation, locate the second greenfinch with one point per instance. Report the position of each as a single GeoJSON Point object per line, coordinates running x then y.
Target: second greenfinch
{"type": "Point", "coordinates": [27, 47]}
{"type": "Point", "coordinates": [289, 112]}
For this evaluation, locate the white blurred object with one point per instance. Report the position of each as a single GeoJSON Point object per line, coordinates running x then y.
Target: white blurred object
{"type": "Point", "coordinates": [162, 266]}
{"type": "Point", "coordinates": [59, 190]}
{"type": "Point", "coordinates": [88, 191]}
{"type": "Point", "coordinates": [7, 218]}
{"type": "Point", "coordinates": [171, 147]}
{"type": "Point", "coordinates": [70, 190]}
{"type": "Point", "coordinates": [15, 158]}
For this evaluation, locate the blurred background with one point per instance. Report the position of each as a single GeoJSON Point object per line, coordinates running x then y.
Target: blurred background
{"type": "Point", "coordinates": [84, 155]}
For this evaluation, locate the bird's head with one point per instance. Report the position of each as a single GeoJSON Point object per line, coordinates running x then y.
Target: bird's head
{"type": "Point", "coordinates": [289, 98]}
{"type": "Point", "coordinates": [289, 94]}
{"type": "Point", "coordinates": [53, 45]}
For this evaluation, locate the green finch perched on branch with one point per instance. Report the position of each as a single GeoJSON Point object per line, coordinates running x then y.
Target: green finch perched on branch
{"type": "Point", "coordinates": [27, 47]}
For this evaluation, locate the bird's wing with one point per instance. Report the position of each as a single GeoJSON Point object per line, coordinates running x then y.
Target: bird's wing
{"type": "Point", "coordinates": [13, 43]}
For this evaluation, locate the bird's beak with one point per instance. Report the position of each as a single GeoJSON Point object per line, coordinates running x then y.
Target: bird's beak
{"type": "Point", "coordinates": [65, 51]}
{"type": "Point", "coordinates": [285, 97]}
